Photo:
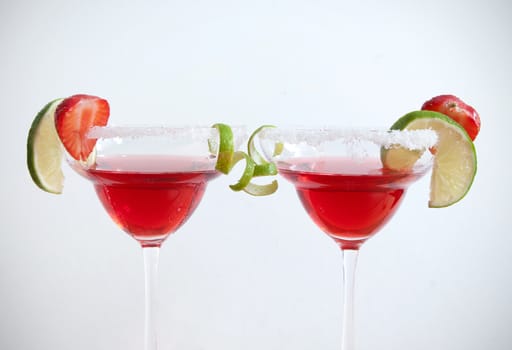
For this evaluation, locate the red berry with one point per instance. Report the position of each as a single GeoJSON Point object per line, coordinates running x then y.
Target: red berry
{"type": "Point", "coordinates": [74, 117]}
{"type": "Point", "coordinates": [456, 109]}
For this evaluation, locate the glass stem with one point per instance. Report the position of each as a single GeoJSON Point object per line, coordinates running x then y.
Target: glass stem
{"type": "Point", "coordinates": [151, 256]}
{"type": "Point", "coordinates": [349, 269]}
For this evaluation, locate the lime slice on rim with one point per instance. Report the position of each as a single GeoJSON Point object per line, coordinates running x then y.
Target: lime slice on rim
{"type": "Point", "coordinates": [399, 158]}
{"type": "Point", "coordinates": [455, 161]}
{"type": "Point", "coordinates": [44, 151]}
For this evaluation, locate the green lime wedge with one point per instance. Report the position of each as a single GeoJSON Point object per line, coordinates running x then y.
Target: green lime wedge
{"type": "Point", "coordinates": [399, 158]}
{"type": "Point", "coordinates": [455, 161]}
{"type": "Point", "coordinates": [44, 151]}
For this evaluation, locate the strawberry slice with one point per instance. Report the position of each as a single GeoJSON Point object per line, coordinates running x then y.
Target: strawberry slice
{"type": "Point", "coordinates": [74, 117]}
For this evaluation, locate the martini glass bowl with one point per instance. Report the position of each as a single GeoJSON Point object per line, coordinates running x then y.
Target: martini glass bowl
{"type": "Point", "coordinates": [150, 180]}
{"type": "Point", "coordinates": [343, 186]}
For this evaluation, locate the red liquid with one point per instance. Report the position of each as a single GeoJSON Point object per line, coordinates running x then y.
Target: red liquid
{"type": "Point", "coordinates": [347, 199]}
{"type": "Point", "coordinates": [150, 197]}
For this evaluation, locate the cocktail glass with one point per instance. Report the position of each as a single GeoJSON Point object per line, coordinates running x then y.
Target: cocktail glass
{"type": "Point", "coordinates": [342, 184]}
{"type": "Point", "coordinates": [150, 180]}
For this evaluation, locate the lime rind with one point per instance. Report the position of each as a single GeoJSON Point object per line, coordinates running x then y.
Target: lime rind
{"type": "Point", "coordinates": [267, 169]}
{"type": "Point", "coordinates": [255, 163]}
{"type": "Point", "coordinates": [225, 148]}
{"type": "Point", "coordinates": [261, 190]}
{"type": "Point", "coordinates": [263, 167]}
{"type": "Point", "coordinates": [278, 149]}
{"type": "Point", "coordinates": [45, 151]}
{"type": "Point", "coordinates": [253, 151]}
{"type": "Point", "coordinates": [403, 122]}
{"type": "Point", "coordinates": [248, 172]}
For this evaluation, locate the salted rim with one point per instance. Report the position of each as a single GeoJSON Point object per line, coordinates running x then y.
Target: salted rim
{"type": "Point", "coordinates": [411, 139]}
{"type": "Point", "coordinates": [110, 132]}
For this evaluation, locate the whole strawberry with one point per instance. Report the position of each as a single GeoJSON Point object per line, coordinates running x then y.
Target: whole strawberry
{"type": "Point", "coordinates": [456, 109]}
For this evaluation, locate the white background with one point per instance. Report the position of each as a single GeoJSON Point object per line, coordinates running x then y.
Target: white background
{"type": "Point", "coordinates": [255, 273]}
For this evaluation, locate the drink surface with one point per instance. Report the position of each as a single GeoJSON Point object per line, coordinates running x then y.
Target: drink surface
{"type": "Point", "coordinates": [348, 199]}
{"type": "Point", "coordinates": [150, 197]}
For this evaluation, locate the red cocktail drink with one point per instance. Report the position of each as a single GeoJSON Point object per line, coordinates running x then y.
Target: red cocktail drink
{"type": "Point", "coordinates": [150, 197]}
{"type": "Point", "coordinates": [349, 199]}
